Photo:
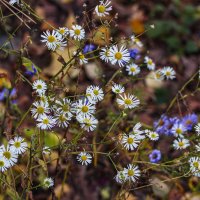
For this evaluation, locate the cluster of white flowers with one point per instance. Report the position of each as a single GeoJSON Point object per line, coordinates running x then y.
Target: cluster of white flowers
{"type": "Point", "coordinates": [9, 153]}
{"type": "Point", "coordinates": [132, 140]}
{"type": "Point", "coordinates": [130, 174]}
{"type": "Point", "coordinates": [51, 112]}
{"type": "Point", "coordinates": [57, 39]}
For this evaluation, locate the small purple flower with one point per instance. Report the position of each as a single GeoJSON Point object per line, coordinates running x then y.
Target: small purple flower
{"type": "Point", "coordinates": [13, 94]}
{"type": "Point", "coordinates": [171, 122]}
{"type": "Point", "coordinates": [189, 121]}
{"type": "Point", "coordinates": [155, 156]}
{"type": "Point", "coordinates": [160, 126]}
{"type": "Point", "coordinates": [3, 94]}
{"type": "Point", "coordinates": [31, 72]}
{"type": "Point", "coordinates": [133, 53]}
{"type": "Point", "coordinates": [88, 47]}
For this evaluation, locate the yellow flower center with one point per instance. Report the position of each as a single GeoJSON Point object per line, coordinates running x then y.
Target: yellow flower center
{"type": "Point", "coordinates": [196, 164]}
{"type": "Point", "coordinates": [7, 154]}
{"type": "Point", "coordinates": [133, 69]}
{"type": "Point", "coordinates": [85, 109]}
{"type": "Point", "coordinates": [178, 131]}
{"type": "Point", "coordinates": [40, 110]}
{"type": "Point", "coordinates": [81, 56]}
{"type": "Point", "coordinates": [130, 140]}
{"type": "Point", "coordinates": [1, 163]}
{"type": "Point", "coordinates": [150, 62]}
{"type": "Point", "coordinates": [180, 144]}
{"type": "Point", "coordinates": [118, 56]}
{"type": "Point", "coordinates": [62, 118]}
{"type": "Point", "coordinates": [107, 53]}
{"type": "Point", "coordinates": [17, 144]}
{"type": "Point", "coordinates": [39, 87]}
{"type": "Point", "coordinates": [96, 92]}
{"type": "Point", "coordinates": [101, 8]}
{"type": "Point", "coordinates": [158, 75]}
{"type": "Point", "coordinates": [128, 101]}
{"type": "Point", "coordinates": [188, 122]}
{"type": "Point", "coordinates": [51, 38]}
{"type": "Point", "coordinates": [45, 121]}
{"type": "Point", "coordinates": [65, 107]}
{"type": "Point", "coordinates": [130, 172]}
{"type": "Point", "coordinates": [77, 32]}
{"type": "Point", "coordinates": [62, 31]}
{"type": "Point", "coordinates": [83, 158]}
{"type": "Point", "coordinates": [168, 73]}
{"type": "Point", "coordinates": [153, 135]}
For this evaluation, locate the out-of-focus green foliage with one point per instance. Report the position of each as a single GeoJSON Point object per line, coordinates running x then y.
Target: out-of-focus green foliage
{"type": "Point", "coordinates": [175, 32]}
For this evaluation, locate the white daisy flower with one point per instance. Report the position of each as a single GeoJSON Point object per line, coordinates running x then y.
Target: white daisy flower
{"type": "Point", "coordinates": [18, 145]}
{"type": "Point", "coordinates": [63, 31]}
{"type": "Point", "coordinates": [118, 89]}
{"type": "Point", "coordinates": [194, 164]}
{"type": "Point", "coordinates": [40, 108]}
{"type": "Point", "coordinates": [152, 135]}
{"type": "Point", "coordinates": [178, 129]}
{"type": "Point", "coordinates": [158, 75]}
{"type": "Point", "coordinates": [44, 99]}
{"type": "Point", "coordinates": [104, 54]}
{"type": "Point", "coordinates": [83, 107]}
{"type": "Point", "coordinates": [197, 129]}
{"type": "Point", "coordinates": [150, 64]}
{"type": "Point", "coordinates": [77, 32]}
{"type": "Point", "coordinates": [4, 164]}
{"type": "Point", "coordinates": [128, 101]}
{"type": "Point", "coordinates": [53, 40]}
{"type": "Point", "coordinates": [119, 56]}
{"type": "Point", "coordinates": [133, 69]}
{"type": "Point", "coordinates": [137, 132]}
{"type": "Point", "coordinates": [84, 158]}
{"type": "Point", "coordinates": [130, 142]}
{"type": "Point", "coordinates": [181, 143]}
{"type": "Point", "coordinates": [12, 2]}
{"type": "Point", "coordinates": [168, 72]}
{"type": "Point", "coordinates": [103, 8]}
{"type": "Point", "coordinates": [45, 122]}
{"type": "Point", "coordinates": [62, 119]}
{"type": "Point", "coordinates": [48, 182]}
{"type": "Point", "coordinates": [63, 106]}
{"type": "Point", "coordinates": [136, 41]}
{"type": "Point", "coordinates": [132, 172]}
{"type": "Point", "coordinates": [46, 150]}
{"type": "Point", "coordinates": [197, 147]}
{"type": "Point", "coordinates": [94, 93]}
{"type": "Point", "coordinates": [121, 177]}
{"type": "Point", "coordinates": [88, 123]}
{"type": "Point", "coordinates": [40, 86]}
{"type": "Point", "coordinates": [82, 59]}
{"type": "Point", "coordinates": [9, 155]}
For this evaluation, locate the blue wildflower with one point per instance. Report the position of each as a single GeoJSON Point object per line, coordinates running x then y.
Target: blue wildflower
{"type": "Point", "coordinates": [133, 53]}
{"type": "Point", "coordinates": [3, 94]}
{"type": "Point", "coordinates": [13, 94]}
{"type": "Point", "coordinates": [31, 72]}
{"type": "Point", "coordinates": [189, 121]}
{"type": "Point", "coordinates": [161, 125]}
{"type": "Point", "coordinates": [155, 156]}
{"type": "Point", "coordinates": [89, 47]}
{"type": "Point", "coordinates": [170, 124]}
